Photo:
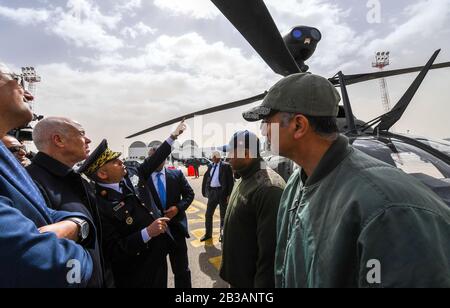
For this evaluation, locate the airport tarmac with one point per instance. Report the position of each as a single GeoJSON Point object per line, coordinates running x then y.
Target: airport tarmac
{"type": "Point", "coordinates": [204, 257]}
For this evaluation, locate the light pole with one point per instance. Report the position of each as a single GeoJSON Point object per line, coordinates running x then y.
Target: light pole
{"type": "Point", "coordinates": [381, 61]}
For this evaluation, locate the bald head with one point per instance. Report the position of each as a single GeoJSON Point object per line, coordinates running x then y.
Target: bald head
{"type": "Point", "coordinates": [46, 129]}
{"type": "Point", "coordinates": [63, 139]}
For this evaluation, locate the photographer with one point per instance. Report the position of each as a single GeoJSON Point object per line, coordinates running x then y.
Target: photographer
{"type": "Point", "coordinates": [38, 245]}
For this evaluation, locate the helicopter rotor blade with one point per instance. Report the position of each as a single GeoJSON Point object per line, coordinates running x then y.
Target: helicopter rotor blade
{"type": "Point", "coordinates": [253, 20]}
{"type": "Point", "coordinates": [389, 119]}
{"type": "Point", "coordinates": [203, 112]}
{"type": "Point", "coordinates": [353, 79]}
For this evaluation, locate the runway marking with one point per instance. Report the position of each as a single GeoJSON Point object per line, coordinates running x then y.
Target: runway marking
{"type": "Point", "coordinates": [192, 210]}
{"type": "Point", "coordinates": [198, 234]}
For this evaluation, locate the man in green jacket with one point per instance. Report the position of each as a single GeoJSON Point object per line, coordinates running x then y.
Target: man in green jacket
{"type": "Point", "coordinates": [347, 219]}
{"type": "Point", "coordinates": [249, 238]}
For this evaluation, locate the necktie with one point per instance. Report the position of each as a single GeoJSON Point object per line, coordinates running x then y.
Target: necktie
{"type": "Point", "coordinates": [161, 190]}
{"type": "Point", "coordinates": [214, 171]}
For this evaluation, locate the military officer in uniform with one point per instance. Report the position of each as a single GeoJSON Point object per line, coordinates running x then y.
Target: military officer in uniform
{"type": "Point", "coordinates": [136, 236]}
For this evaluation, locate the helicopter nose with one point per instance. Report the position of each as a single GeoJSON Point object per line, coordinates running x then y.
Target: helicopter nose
{"type": "Point", "coordinates": [307, 41]}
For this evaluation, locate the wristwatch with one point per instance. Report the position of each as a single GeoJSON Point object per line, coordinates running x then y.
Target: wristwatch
{"type": "Point", "coordinates": [83, 232]}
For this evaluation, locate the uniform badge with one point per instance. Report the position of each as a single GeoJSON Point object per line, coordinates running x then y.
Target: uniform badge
{"type": "Point", "coordinates": [134, 180]}
{"type": "Point", "coordinates": [129, 221]}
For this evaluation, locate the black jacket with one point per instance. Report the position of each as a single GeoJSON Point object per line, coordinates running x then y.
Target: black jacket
{"type": "Point", "coordinates": [179, 193]}
{"type": "Point", "coordinates": [133, 262]}
{"type": "Point", "coordinates": [65, 190]}
{"type": "Point", "coordinates": [226, 180]}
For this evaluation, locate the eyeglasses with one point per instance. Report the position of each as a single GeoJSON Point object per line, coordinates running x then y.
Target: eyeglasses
{"type": "Point", "coordinates": [12, 76]}
{"type": "Point", "coordinates": [17, 149]}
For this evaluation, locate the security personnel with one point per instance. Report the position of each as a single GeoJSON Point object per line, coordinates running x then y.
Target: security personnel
{"type": "Point", "coordinates": [135, 232]}
{"type": "Point", "coordinates": [250, 236]}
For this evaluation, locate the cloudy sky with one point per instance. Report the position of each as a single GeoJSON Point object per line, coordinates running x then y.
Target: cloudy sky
{"type": "Point", "coordinates": [120, 66]}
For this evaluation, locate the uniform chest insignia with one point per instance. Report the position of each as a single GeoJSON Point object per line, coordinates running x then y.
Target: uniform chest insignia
{"type": "Point", "coordinates": [119, 206]}
{"type": "Point", "coordinates": [134, 180]}
{"type": "Point", "coordinates": [103, 193]}
{"type": "Point", "coordinates": [129, 220]}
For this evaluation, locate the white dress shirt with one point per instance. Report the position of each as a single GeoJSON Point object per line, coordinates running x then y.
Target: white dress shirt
{"type": "Point", "coordinates": [215, 182]}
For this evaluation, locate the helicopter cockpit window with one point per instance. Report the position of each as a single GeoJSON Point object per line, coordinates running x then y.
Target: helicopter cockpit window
{"type": "Point", "coordinates": [413, 160]}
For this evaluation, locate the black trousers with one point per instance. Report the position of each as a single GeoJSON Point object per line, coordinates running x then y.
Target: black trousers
{"type": "Point", "coordinates": [178, 255]}
{"type": "Point", "coordinates": [215, 197]}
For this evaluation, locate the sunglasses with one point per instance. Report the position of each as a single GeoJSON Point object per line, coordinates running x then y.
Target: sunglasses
{"type": "Point", "coordinates": [11, 76]}
{"type": "Point", "coordinates": [17, 149]}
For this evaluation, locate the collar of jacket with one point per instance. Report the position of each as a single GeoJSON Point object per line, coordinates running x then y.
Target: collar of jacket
{"type": "Point", "coordinates": [52, 165]}
{"type": "Point", "coordinates": [107, 193]}
{"type": "Point", "coordinates": [254, 167]}
{"type": "Point", "coordinates": [338, 151]}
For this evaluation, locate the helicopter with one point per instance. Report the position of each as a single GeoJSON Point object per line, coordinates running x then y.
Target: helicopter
{"type": "Point", "coordinates": [426, 159]}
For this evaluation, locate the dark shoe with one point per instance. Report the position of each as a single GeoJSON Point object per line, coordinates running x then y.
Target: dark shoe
{"type": "Point", "coordinates": [205, 238]}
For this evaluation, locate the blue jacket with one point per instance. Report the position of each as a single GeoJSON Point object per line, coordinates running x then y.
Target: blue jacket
{"type": "Point", "coordinates": [179, 193]}
{"type": "Point", "coordinates": [28, 258]}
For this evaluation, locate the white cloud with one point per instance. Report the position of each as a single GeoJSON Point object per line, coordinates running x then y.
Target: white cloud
{"type": "Point", "coordinates": [25, 16]}
{"type": "Point", "coordinates": [85, 26]}
{"type": "Point", "coordinates": [424, 22]}
{"type": "Point", "coordinates": [80, 23]}
{"type": "Point", "coordinates": [193, 54]}
{"type": "Point", "coordinates": [138, 29]}
{"type": "Point", "coordinates": [198, 9]}
{"type": "Point", "coordinates": [129, 5]}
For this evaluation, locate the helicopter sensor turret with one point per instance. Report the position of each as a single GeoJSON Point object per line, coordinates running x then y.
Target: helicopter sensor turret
{"type": "Point", "coordinates": [302, 42]}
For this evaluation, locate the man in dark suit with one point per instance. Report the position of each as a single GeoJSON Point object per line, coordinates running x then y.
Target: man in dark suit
{"type": "Point", "coordinates": [217, 186]}
{"type": "Point", "coordinates": [62, 143]}
{"type": "Point", "coordinates": [38, 245]}
{"type": "Point", "coordinates": [173, 195]}
{"type": "Point", "coordinates": [136, 236]}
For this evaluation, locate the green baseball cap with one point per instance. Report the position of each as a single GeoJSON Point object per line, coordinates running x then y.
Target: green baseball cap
{"type": "Point", "coordinates": [303, 93]}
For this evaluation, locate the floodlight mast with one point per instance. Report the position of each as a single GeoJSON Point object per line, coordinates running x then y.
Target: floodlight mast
{"type": "Point", "coordinates": [381, 61]}
{"type": "Point", "coordinates": [30, 78]}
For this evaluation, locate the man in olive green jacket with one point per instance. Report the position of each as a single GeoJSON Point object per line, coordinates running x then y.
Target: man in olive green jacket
{"type": "Point", "coordinates": [249, 238]}
{"type": "Point", "coordinates": [347, 219]}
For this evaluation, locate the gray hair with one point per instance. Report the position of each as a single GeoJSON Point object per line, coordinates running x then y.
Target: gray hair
{"type": "Point", "coordinates": [216, 154]}
{"type": "Point", "coordinates": [48, 127]}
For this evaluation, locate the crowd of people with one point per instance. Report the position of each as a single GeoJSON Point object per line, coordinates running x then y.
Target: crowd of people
{"type": "Point", "coordinates": [343, 219]}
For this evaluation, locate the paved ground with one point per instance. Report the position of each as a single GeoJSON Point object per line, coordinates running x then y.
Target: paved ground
{"type": "Point", "coordinates": [204, 258]}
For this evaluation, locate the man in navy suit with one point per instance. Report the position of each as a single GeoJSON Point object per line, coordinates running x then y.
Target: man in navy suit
{"type": "Point", "coordinates": [38, 245]}
{"type": "Point", "coordinates": [173, 195]}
